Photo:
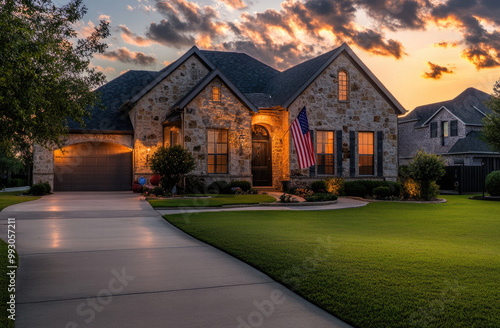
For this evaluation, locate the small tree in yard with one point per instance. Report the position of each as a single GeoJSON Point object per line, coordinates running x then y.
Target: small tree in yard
{"type": "Point", "coordinates": [426, 169]}
{"type": "Point", "coordinates": [171, 164]}
{"type": "Point", "coordinates": [491, 130]}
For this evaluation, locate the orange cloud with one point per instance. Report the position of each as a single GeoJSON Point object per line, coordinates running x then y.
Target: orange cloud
{"type": "Point", "coordinates": [132, 38]}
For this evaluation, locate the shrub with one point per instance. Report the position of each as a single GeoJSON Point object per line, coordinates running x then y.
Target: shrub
{"type": "Point", "coordinates": [493, 183]}
{"type": "Point", "coordinates": [410, 189]}
{"type": "Point", "coordinates": [382, 192]}
{"type": "Point", "coordinates": [395, 188]}
{"type": "Point", "coordinates": [39, 189]}
{"type": "Point", "coordinates": [286, 198]}
{"type": "Point", "coordinates": [171, 164]}
{"type": "Point", "coordinates": [426, 169]}
{"type": "Point", "coordinates": [321, 197]}
{"type": "Point", "coordinates": [253, 191]}
{"type": "Point", "coordinates": [219, 187]}
{"type": "Point", "coordinates": [318, 186]}
{"type": "Point", "coordinates": [356, 188]}
{"type": "Point", "coordinates": [334, 185]}
{"type": "Point", "coordinates": [193, 185]}
{"type": "Point", "coordinates": [242, 184]}
{"type": "Point", "coordinates": [157, 191]}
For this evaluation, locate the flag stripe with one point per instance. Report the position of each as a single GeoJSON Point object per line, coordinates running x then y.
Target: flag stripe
{"type": "Point", "coordinates": [302, 140]}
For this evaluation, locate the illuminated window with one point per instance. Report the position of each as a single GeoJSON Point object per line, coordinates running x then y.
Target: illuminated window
{"type": "Point", "coordinates": [216, 94]}
{"type": "Point", "coordinates": [446, 129]}
{"type": "Point", "coordinates": [366, 166]}
{"type": "Point", "coordinates": [343, 86]}
{"type": "Point", "coordinates": [324, 150]}
{"type": "Point", "coordinates": [217, 151]}
{"type": "Point", "coordinates": [171, 136]}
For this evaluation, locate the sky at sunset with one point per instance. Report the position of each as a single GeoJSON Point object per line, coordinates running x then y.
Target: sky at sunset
{"type": "Point", "coordinates": [423, 51]}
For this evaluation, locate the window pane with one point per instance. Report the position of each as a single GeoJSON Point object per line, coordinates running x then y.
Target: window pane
{"type": "Point", "coordinates": [446, 131]}
{"type": "Point", "coordinates": [343, 86]}
{"type": "Point", "coordinates": [365, 158]}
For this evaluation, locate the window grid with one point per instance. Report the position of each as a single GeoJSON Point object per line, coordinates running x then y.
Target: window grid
{"type": "Point", "coordinates": [343, 86]}
{"type": "Point", "coordinates": [217, 151]}
{"type": "Point", "coordinates": [366, 159]}
{"type": "Point", "coordinates": [171, 136]}
{"type": "Point", "coordinates": [216, 94]}
{"type": "Point", "coordinates": [324, 152]}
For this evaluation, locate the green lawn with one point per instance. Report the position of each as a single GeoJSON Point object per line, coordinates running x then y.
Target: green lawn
{"type": "Point", "coordinates": [7, 199]}
{"type": "Point", "coordinates": [383, 265]}
{"type": "Point", "coordinates": [213, 201]}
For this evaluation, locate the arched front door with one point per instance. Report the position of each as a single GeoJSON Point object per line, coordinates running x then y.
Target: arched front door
{"type": "Point", "coordinates": [261, 157]}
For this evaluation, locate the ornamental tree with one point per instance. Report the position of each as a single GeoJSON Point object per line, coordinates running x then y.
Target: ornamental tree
{"type": "Point", "coordinates": [426, 169]}
{"type": "Point", "coordinates": [45, 71]}
{"type": "Point", "coordinates": [491, 130]}
{"type": "Point", "coordinates": [171, 164]}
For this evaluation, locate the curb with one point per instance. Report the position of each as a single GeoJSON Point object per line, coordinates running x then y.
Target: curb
{"type": "Point", "coordinates": [244, 205]}
{"type": "Point", "coordinates": [437, 201]}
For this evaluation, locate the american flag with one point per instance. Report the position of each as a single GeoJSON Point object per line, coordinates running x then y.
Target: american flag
{"type": "Point", "coordinates": [302, 140]}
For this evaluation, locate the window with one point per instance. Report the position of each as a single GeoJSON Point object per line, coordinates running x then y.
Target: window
{"type": "Point", "coordinates": [343, 86]}
{"type": "Point", "coordinates": [217, 151]}
{"type": "Point", "coordinates": [171, 136]}
{"type": "Point", "coordinates": [366, 166]}
{"type": "Point", "coordinates": [324, 150]}
{"type": "Point", "coordinates": [216, 94]}
{"type": "Point", "coordinates": [434, 130]}
{"type": "Point", "coordinates": [446, 129]}
{"type": "Point", "coordinates": [454, 128]}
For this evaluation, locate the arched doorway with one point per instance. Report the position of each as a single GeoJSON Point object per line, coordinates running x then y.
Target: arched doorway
{"type": "Point", "coordinates": [93, 166]}
{"type": "Point", "coordinates": [261, 156]}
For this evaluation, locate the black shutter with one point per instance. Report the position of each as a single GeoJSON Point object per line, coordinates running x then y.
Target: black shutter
{"type": "Point", "coordinates": [312, 169]}
{"type": "Point", "coordinates": [339, 153]}
{"type": "Point", "coordinates": [434, 130]}
{"type": "Point", "coordinates": [380, 153]}
{"type": "Point", "coordinates": [454, 128]}
{"type": "Point", "coordinates": [352, 137]}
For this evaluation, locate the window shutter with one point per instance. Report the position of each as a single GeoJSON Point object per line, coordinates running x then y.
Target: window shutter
{"type": "Point", "coordinates": [380, 153]}
{"type": "Point", "coordinates": [339, 153]}
{"type": "Point", "coordinates": [434, 130]}
{"type": "Point", "coordinates": [352, 138]}
{"type": "Point", "coordinates": [312, 169]}
{"type": "Point", "coordinates": [454, 128]}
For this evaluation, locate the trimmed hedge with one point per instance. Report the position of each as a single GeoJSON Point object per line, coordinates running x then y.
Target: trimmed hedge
{"type": "Point", "coordinates": [242, 184]}
{"type": "Point", "coordinates": [318, 186]}
{"type": "Point", "coordinates": [382, 192]}
{"type": "Point", "coordinates": [219, 187]}
{"type": "Point", "coordinates": [493, 183]}
{"type": "Point", "coordinates": [364, 188]}
{"type": "Point", "coordinates": [320, 197]}
{"type": "Point", "coordinates": [40, 189]}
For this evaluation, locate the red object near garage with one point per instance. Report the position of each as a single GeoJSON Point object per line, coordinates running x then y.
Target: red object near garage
{"type": "Point", "coordinates": [155, 180]}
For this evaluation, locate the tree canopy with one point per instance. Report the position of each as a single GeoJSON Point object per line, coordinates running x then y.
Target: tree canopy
{"type": "Point", "coordinates": [171, 164]}
{"type": "Point", "coordinates": [491, 131]}
{"type": "Point", "coordinates": [45, 71]}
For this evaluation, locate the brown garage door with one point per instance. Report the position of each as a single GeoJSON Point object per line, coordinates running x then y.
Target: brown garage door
{"type": "Point", "coordinates": [93, 166]}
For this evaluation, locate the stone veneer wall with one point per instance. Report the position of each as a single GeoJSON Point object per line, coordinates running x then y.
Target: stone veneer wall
{"type": "Point", "coordinates": [366, 110]}
{"type": "Point", "coordinates": [412, 140]}
{"type": "Point", "coordinates": [151, 110]}
{"type": "Point", "coordinates": [43, 159]}
{"type": "Point", "coordinates": [202, 114]}
{"type": "Point", "coordinates": [275, 122]}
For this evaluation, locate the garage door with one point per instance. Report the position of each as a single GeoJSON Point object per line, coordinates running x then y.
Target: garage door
{"type": "Point", "coordinates": [93, 166]}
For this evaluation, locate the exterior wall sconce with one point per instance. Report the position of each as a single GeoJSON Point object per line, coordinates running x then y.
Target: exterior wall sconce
{"type": "Point", "coordinates": [147, 156]}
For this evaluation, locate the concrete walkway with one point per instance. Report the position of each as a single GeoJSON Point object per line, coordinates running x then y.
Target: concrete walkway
{"type": "Point", "coordinates": [109, 260]}
{"type": "Point", "coordinates": [15, 189]}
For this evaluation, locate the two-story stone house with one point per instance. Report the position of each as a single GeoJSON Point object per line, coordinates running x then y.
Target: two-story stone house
{"type": "Point", "coordinates": [450, 128]}
{"type": "Point", "coordinates": [232, 112]}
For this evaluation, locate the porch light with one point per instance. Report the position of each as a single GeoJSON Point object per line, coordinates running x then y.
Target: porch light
{"type": "Point", "coordinates": [147, 156]}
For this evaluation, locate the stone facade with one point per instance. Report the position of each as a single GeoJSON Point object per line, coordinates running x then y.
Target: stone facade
{"type": "Point", "coordinates": [366, 111]}
{"type": "Point", "coordinates": [43, 159]}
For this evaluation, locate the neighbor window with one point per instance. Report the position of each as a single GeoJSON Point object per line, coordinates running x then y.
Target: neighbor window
{"type": "Point", "coordinates": [324, 150]}
{"type": "Point", "coordinates": [434, 130]}
{"type": "Point", "coordinates": [217, 151]}
{"type": "Point", "coordinates": [343, 86]}
{"type": "Point", "coordinates": [216, 94]}
{"type": "Point", "coordinates": [454, 128]}
{"type": "Point", "coordinates": [446, 129]}
{"type": "Point", "coordinates": [366, 164]}
{"type": "Point", "coordinates": [171, 136]}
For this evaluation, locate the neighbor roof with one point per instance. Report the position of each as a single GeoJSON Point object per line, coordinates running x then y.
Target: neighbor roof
{"type": "Point", "coordinates": [467, 107]}
{"type": "Point", "coordinates": [113, 95]}
{"type": "Point", "coordinates": [470, 144]}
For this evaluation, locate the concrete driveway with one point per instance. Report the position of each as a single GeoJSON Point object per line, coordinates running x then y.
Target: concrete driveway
{"type": "Point", "coordinates": [109, 260]}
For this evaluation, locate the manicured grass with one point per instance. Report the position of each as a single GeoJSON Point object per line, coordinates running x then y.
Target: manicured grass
{"type": "Point", "coordinates": [383, 265]}
{"type": "Point", "coordinates": [7, 199]}
{"type": "Point", "coordinates": [213, 201]}
{"type": "Point", "coordinates": [11, 198]}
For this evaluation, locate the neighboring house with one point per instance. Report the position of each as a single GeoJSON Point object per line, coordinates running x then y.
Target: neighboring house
{"type": "Point", "coordinates": [450, 128]}
{"type": "Point", "coordinates": [232, 112]}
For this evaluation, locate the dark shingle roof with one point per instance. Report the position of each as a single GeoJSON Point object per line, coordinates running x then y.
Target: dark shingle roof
{"type": "Point", "coordinates": [283, 86]}
{"type": "Point", "coordinates": [471, 143]}
{"type": "Point", "coordinates": [461, 106]}
{"type": "Point", "coordinates": [247, 73]}
{"type": "Point", "coordinates": [113, 95]}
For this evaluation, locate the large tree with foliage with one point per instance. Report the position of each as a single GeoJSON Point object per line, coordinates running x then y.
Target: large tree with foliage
{"type": "Point", "coordinates": [491, 131]}
{"type": "Point", "coordinates": [45, 71]}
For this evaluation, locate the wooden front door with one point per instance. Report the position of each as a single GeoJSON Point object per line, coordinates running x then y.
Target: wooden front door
{"type": "Point", "coordinates": [261, 157]}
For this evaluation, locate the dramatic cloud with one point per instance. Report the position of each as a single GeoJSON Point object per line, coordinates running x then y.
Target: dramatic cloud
{"type": "Point", "coordinates": [446, 44]}
{"type": "Point", "coordinates": [235, 4]}
{"type": "Point", "coordinates": [132, 38]}
{"type": "Point", "coordinates": [436, 71]}
{"type": "Point", "coordinates": [126, 56]}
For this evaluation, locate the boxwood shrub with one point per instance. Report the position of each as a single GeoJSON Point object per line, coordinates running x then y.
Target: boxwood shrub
{"type": "Point", "coordinates": [320, 197]}
{"type": "Point", "coordinates": [363, 188]}
{"type": "Point", "coordinates": [318, 186]}
{"type": "Point", "coordinates": [493, 183]}
{"type": "Point", "coordinates": [242, 184]}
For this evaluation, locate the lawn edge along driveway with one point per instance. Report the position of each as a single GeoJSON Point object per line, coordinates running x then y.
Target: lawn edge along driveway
{"type": "Point", "coordinates": [217, 200]}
